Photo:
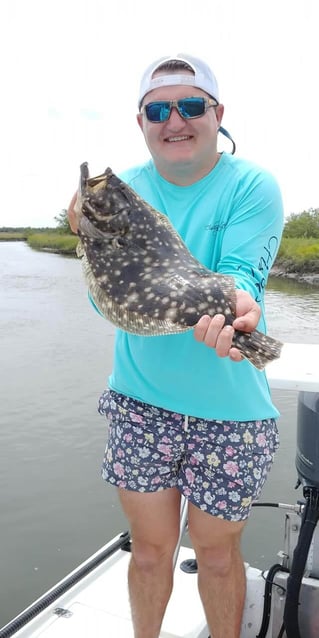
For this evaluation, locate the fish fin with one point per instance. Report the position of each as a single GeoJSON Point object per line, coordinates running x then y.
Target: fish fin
{"type": "Point", "coordinates": [258, 348]}
{"type": "Point", "coordinates": [79, 250]}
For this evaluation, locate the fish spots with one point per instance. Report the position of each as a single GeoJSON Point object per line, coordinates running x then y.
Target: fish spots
{"type": "Point", "coordinates": [142, 276]}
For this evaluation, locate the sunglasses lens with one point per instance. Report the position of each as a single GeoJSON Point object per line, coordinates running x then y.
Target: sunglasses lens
{"type": "Point", "coordinates": [191, 107]}
{"type": "Point", "coordinates": [158, 111]}
{"type": "Point", "coordinates": [188, 107]}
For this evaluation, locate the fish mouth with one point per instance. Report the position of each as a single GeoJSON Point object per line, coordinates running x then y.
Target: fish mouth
{"type": "Point", "coordinates": [178, 138]}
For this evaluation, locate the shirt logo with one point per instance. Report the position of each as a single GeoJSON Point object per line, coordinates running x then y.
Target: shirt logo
{"type": "Point", "coordinates": [214, 228]}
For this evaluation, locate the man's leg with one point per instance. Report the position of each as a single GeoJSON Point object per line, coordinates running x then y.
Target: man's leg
{"type": "Point", "coordinates": [221, 573]}
{"type": "Point", "coordinates": [154, 521]}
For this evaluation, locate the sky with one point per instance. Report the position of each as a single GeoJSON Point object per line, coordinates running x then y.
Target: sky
{"type": "Point", "coordinates": [70, 71]}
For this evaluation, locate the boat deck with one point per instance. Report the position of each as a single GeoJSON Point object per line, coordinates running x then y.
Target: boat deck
{"type": "Point", "coordinates": [98, 606]}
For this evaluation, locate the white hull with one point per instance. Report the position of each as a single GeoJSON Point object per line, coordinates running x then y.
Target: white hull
{"type": "Point", "coordinates": [97, 604]}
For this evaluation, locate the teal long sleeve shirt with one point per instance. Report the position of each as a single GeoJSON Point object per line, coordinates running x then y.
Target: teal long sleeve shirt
{"type": "Point", "coordinates": [232, 221]}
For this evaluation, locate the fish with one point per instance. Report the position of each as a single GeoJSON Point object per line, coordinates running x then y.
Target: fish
{"type": "Point", "coordinates": [140, 273]}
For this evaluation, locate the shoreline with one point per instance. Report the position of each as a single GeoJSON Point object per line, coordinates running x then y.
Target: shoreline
{"type": "Point", "coordinates": [306, 278]}
{"type": "Point", "coordinates": [310, 278]}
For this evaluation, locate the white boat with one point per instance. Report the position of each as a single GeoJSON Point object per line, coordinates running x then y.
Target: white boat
{"type": "Point", "coordinates": [92, 601]}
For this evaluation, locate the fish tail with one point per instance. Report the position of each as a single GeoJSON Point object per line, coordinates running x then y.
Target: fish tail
{"type": "Point", "coordinates": [257, 347]}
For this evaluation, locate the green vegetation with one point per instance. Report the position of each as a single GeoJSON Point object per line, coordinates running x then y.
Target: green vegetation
{"type": "Point", "coordinates": [59, 239]}
{"type": "Point", "coordinates": [13, 235]}
{"type": "Point", "coordinates": [305, 224]}
{"type": "Point", "coordinates": [298, 252]}
{"type": "Point", "coordinates": [299, 248]}
{"type": "Point", "coordinates": [62, 222]}
{"type": "Point", "coordinates": [25, 230]}
{"type": "Point", "coordinates": [9, 233]}
{"type": "Point", "coordinates": [55, 242]}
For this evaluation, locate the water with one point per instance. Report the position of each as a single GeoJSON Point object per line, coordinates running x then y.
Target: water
{"type": "Point", "coordinates": [56, 354]}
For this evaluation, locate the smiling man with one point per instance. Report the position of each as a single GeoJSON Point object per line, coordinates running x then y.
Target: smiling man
{"type": "Point", "coordinates": [186, 416]}
{"type": "Point", "coordinates": [184, 147]}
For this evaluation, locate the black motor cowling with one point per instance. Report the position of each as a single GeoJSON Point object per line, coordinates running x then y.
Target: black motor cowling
{"type": "Point", "coordinates": [307, 457]}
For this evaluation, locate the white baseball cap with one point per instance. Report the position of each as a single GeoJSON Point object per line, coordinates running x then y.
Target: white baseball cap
{"type": "Point", "coordinates": [203, 77]}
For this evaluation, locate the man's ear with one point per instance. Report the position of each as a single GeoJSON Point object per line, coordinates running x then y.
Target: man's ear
{"type": "Point", "coordinates": [139, 118]}
{"type": "Point", "coordinates": [219, 110]}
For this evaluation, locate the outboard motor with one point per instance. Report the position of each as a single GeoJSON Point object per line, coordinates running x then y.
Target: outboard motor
{"type": "Point", "coordinates": [307, 458]}
{"type": "Point", "coordinates": [307, 464]}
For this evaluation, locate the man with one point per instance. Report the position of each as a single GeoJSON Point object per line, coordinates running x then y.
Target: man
{"type": "Point", "coordinates": [186, 415]}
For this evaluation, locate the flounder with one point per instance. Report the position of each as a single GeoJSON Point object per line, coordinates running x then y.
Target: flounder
{"type": "Point", "coordinates": [141, 275]}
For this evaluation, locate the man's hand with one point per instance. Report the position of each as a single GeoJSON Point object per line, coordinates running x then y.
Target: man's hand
{"type": "Point", "coordinates": [72, 216]}
{"type": "Point", "coordinates": [212, 332]}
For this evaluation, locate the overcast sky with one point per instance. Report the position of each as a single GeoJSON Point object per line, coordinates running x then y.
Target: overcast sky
{"type": "Point", "coordinates": [70, 71]}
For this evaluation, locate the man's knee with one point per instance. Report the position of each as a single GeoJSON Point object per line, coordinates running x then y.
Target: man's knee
{"type": "Point", "coordinates": [148, 556]}
{"type": "Point", "coordinates": [217, 559]}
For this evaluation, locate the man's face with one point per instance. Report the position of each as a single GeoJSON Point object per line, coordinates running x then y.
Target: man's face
{"type": "Point", "coordinates": [181, 143]}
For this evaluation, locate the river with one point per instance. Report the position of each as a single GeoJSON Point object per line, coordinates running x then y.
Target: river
{"type": "Point", "coordinates": [56, 354]}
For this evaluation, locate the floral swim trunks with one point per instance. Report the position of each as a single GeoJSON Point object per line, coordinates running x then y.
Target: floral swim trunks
{"type": "Point", "coordinates": [220, 466]}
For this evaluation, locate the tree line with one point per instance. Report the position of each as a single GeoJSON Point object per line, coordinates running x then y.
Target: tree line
{"type": "Point", "coordinates": [304, 224]}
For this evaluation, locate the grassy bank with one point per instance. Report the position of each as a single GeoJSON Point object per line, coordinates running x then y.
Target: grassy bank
{"type": "Point", "coordinates": [12, 236]}
{"type": "Point", "coordinates": [55, 242]}
{"type": "Point", "coordinates": [43, 239]}
{"type": "Point", "coordinates": [297, 255]}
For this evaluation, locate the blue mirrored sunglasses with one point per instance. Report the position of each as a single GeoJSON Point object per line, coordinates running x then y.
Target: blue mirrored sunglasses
{"type": "Point", "coordinates": [188, 108]}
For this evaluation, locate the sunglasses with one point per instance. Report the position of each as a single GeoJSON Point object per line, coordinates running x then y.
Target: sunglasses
{"type": "Point", "coordinates": [188, 108]}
